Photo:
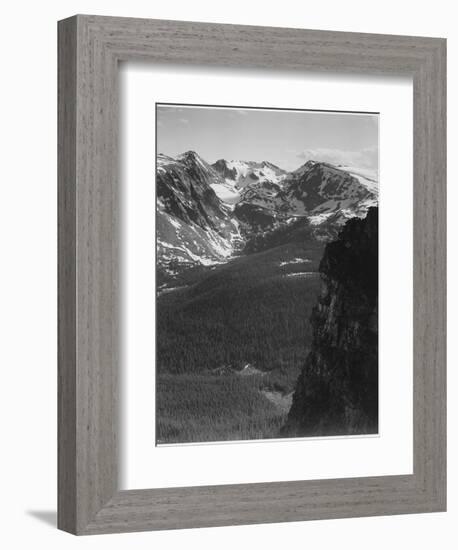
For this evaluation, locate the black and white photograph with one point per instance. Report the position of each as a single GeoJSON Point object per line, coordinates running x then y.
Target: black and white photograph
{"type": "Point", "coordinates": [266, 273]}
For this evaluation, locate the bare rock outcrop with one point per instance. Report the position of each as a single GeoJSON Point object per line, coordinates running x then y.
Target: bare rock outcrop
{"type": "Point", "coordinates": [337, 390]}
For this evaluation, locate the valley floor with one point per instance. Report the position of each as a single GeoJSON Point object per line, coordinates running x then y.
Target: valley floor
{"type": "Point", "coordinates": [231, 341]}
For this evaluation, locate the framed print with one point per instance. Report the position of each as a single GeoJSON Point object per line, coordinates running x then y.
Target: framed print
{"type": "Point", "coordinates": [251, 274]}
{"type": "Point", "coordinates": [385, 117]}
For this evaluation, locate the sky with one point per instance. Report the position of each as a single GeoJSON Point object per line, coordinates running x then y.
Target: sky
{"type": "Point", "coordinates": [285, 138]}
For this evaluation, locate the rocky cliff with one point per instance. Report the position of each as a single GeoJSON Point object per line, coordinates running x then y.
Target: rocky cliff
{"type": "Point", "coordinates": [337, 390]}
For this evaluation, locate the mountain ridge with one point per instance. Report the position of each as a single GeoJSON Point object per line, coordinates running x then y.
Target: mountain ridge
{"type": "Point", "coordinates": [207, 213]}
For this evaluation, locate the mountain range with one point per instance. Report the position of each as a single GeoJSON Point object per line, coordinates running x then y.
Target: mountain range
{"type": "Point", "coordinates": [209, 213]}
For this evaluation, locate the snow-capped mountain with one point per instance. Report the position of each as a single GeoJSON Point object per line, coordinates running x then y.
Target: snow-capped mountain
{"type": "Point", "coordinates": [318, 188]}
{"type": "Point", "coordinates": [193, 224]}
{"type": "Point", "coordinates": [317, 191]}
{"type": "Point", "coordinates": [206, 213]}
{"type": "Point", "coordinates": [239, 174]}
{"type": "Point", "coordinates": [242, 173]}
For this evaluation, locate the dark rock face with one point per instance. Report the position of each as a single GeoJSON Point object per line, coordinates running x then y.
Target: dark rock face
{"type": "Point", "coordinates": [337, 390]}
{"type": "Point", "coordinates": [222, 168]}
{"type": "Point", "coordinates": [183, 186]}
{"type": "Point", "coordinates": [317, 183]}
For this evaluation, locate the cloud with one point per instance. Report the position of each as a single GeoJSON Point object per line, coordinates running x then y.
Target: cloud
{"type": "Point", "coordinates": [183, 120]}
{"type": "Point", "coordinates": [236, 113]}
{"type": "Point", "coordinates": [364, 158]}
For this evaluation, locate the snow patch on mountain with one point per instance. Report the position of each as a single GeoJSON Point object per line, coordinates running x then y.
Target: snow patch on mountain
{"type": "Point", "coordinates": [318, 219]}
{"type": "Point", "coordinates": [244, 173]}
{"type": "Point", "coordinates": [295, 261]}
{"type": "Point", "coordinates": [367, 177]}
{"type": "Point", "coordinates": [226, 192]}
{"type": "Point", "coordinates": [302, 274]}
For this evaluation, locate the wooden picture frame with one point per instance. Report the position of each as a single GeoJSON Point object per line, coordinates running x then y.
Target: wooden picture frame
{"type": "Point", "coordinates": [90, 48]}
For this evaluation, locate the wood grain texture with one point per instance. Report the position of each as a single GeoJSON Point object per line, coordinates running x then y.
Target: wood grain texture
{"type": "Point", "coordinates": [90, 48]}
{"type": "Point", "coordinates": [67, 437]}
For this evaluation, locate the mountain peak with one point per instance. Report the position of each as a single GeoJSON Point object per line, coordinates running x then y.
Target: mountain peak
{"type": "Point", "coordinates": [310, 164]}
{"type": "Point", "coordinates": [305, 167]}
{"type": "Point", "coordinates": [188, 155]}
{"type": "Point", "coordinates": [271, 165]}
{"type": "Point", "coordinates": [317, 165]}
{"type": "Point", "coordinates": [194, 161]}
{"type": "Point", "coordinates": [220, 163]}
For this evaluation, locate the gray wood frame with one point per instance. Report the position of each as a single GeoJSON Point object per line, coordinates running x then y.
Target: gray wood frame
{"type": "Point", "coordinates": [90, 48]}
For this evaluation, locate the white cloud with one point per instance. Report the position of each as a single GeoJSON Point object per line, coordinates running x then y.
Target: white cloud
{"type": "Point", "coordinates": [364, 158]}
{"type": "Point", "coordinates": [235, 113]}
